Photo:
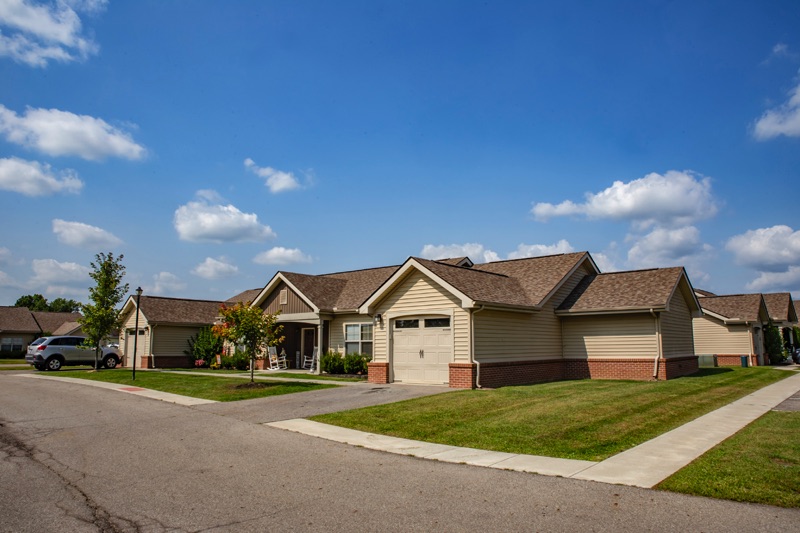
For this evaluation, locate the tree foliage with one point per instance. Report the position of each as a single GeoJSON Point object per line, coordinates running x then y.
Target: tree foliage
{"type": "Point", "coordinates": [101, 316]}
{"type": "Point", "coordinates": [249, 327]}
{"type": "Point", "coordinates": [62, 305]}
{"type": "Point", "coordinates": [204, 345]}
{"type": "Point", "coordinates": [37, 302]}
{"type": "Point", "coordinates": [773, 344]}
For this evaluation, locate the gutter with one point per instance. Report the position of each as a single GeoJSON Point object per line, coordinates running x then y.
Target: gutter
{"type": "Point", "coordinates": [658, 344]}
{"type": "Point", "coordinates": [472, 359]}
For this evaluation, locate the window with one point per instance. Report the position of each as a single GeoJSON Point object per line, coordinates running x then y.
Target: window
{"type": "Point", "coordinates": [11, 344]}
{"type": "Point", "coordinates": [406, 324]}
{"type": "Point", "coordinates": [358, 338]}
{"type": "Point", "coordinates": [437, 322]}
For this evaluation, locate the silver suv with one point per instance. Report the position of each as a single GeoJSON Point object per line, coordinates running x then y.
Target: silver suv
{"type": "Point", "coordinates": [51, 353]}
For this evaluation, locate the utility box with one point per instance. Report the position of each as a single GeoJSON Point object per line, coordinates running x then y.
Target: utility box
{"type": "Point", "coordinates": [707, 361]}
{"type": "Point", "coordinates": [745, 362]}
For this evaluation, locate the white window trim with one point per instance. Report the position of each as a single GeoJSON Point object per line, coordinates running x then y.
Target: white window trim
{"type": "Point", "coordinates": [359, 341]}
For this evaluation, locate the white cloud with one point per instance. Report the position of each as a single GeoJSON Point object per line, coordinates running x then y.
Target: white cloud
{"type": "Point", "coordinates": [215, 268]}
{"type": "Point", "coordinates": [604, 262]}
{"type": "Point", "coordinates": [781, 120]}
{"type": "Point", "coordinates": [673, 199]}
{"type": "Point", "coordinates": [788, 281]}
{"type": "Point", "coordinates": [165, 283]}
{"type": "Point", "coordinates": [473, 250]}
{"type": "Point", "coordinates": [61, 133]}
{"type": "Point", "coordinates": [32, 178]}
{"type": "Point", "coordinates": [45, 32]}
{"type": "Point", "coordinates": [667, 247]}
{"type": "Point", "coordinates": [7, 281]}
{"type": "Point", "coordinates": [276, 180]}
{"type": "Point", "coordinates": [767, 249]}
{"type": "Point", "coordinates": [281, 256]}
{"type": "Point", "coordinates": [5, 255]}
{"type": "Point", "coordinates": [54, 277]}
{"type": "Point", "coordinates": [83, 235]}
{"type": "Point", "coordinates": [202, 221]}
{"type": "Point", "coordinates": [538, 250]}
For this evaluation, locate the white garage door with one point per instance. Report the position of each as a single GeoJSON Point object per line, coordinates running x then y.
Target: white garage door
{"type": "Point", "coordinates": [422, 350]}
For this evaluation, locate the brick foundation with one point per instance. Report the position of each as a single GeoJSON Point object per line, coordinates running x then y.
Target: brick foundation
{"type": "Point", "coordinates": [729, 359]}
{"type": "Point", "coordinates": [462, 376]}
{"type": "Point", "coordinates": [521, 373]}
{"type": "Point", "coordinates": [378, 373]}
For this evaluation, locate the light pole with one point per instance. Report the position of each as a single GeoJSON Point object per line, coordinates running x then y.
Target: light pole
{"type": "Point", "coordinates": [136, 331]}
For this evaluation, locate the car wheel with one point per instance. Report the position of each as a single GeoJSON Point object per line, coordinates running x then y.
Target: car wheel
{"type": "Point", "coordinates": [54, 363]}
{"type": "Point", "coordinates": [110, 362]}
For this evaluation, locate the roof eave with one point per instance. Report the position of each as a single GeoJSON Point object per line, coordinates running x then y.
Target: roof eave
{"type": "Point", "coordinates": [612, 310]}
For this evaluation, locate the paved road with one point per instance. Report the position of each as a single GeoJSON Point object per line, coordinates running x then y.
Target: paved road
{"type": "Point", "coordinates": [77, 458]}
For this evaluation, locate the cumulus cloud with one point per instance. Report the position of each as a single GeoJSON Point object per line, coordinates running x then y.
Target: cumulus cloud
{"type": "Point", "coordinates": [215, 269]}
{"type": "Point", "coordinates": [276, 180]}
{"type": "Point", "coordinates": [40, 33]}
{"type": "Point", "coordinates": [781, 120]}
{"type": "Point", "coordinates": [673, 199]}
{"type": "Point", "coordinates": [767, 249]}
{"type": "Point", "coordinates": [473, 250]}
{"type": "Point", "coordinates": [32, 178]}
{"type": "Point", "coordinates": [604, 262]}
{"type": "Point", "coordinates": [166, 283]}
{"type": "Point", "coordinates": [7, 281]}
{"type": "Point", "coordinates": [538, 250]}
{"type": "Point", "coordinates": [668, 247]}
{"type": "Point", "coordinates": [55, 277]}
{"type": "Point", "coordinates": [203, 221]}
{"type": "Point", "coordinates": [281, 256]}
{"type": "Point", "coordinates": [61, 133]}
{"type": "Point", "coordinates": [788, 281]}
{"type": "Point", "coordinates": [83, 235]}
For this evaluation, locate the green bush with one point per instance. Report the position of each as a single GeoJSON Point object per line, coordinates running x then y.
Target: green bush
{"type": "Point", "coordinates": [204, 345]}
{"type": "Point", "coordinates": [356, 363]}
{"type": "Point", "coordinates": [237, 361]}
{"type": "Point", "coordinates": [774, 344]}
{"type": "Point", "coordinates": [332, 363]}
{"type": "Point", "coordinates": [13, 354]}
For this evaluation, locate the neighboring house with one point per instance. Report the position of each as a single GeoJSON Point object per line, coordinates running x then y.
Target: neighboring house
{"type": "Point", "coordinates": [493, 324]}
{"type": "Point", "coordinates": [19, 326]}
{"type": "Point", "coordinates": [783, 315]}
{"type": "Point", "coordinates": [731, 327]}
{"type": "Point", "coordinates": [165, 326]}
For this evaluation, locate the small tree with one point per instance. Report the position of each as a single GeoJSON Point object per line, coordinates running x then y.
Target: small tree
{"type": "Point", "coordinates": [101, 316]}
{"type": "Point", "coordinates": [773, 344]}
{"type": "Point", "coordinates": [251, 327]}
{"type": "Point", "coordinates": [204, 345]}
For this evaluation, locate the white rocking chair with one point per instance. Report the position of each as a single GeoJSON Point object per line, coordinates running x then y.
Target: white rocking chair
{"type": "Point", "coordinates": [310, 362]}
{"type": "Point", "coordinates": [276, 362]}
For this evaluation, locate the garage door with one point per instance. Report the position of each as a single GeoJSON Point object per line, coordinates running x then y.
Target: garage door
{"type": "Point", "coordinates": [422, 350]}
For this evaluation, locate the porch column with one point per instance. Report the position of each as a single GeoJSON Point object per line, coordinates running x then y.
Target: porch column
{"type": "Point", "coordinates": [318, 370]}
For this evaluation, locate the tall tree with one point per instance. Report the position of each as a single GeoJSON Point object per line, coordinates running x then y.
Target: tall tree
{"type": "Point", "coordinates": [34, 302]}
{"type": "Point", "coordinates": [101, 316]}
{"type": "Point", "coordinates": [250, 326]}
{"type": "Point", "coordinates": [62, 305]}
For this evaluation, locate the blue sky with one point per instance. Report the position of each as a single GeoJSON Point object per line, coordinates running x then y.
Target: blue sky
{"type": "Point", "coordinates": [214, 143]}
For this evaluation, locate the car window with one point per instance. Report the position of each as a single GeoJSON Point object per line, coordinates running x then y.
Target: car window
{"type": "Point", "coordinates": [56, 342]}
{"type": "Point", "coordinates": [38, 341]}
{"type": "Point", "coordinates": [74, 341]}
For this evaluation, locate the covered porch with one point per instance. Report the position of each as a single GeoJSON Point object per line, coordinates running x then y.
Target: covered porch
{"type": "Point", "coordinates": [301, 335]}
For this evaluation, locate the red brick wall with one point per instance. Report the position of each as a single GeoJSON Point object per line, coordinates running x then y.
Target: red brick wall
{"type": "Point", "coordinates": [166, 361]}
{"type": "Point", "coordinates": [730, 359]}
{"type": "Point", "coordinates": [678, 366]}
{"type": "Point", "coordinates": [462, 375]}
{"type": "Point", "coordinates": [520, 373]}
{"type": "Point", "coordinates": [378, 373]}
{"type": "Point", "coordinates": [638, 368]}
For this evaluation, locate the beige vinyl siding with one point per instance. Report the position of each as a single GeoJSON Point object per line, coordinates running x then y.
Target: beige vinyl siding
{"type": "Point", "coordinates": [676, 328]}
{"type": "Point", "coordinates": [630, 335]}
{"type": "Point", "coordinates": [294, 304]}
{"type": "Point", "coordinates": [337, 329]}
{"type": "Point", "coordinates": [711, 336]}
{"type": "Point", "coordinates": [171, 341]}
{"type": "Point", "coordinates": [126, 341]}
{"type": "Point", "coordinates": [419, 295]}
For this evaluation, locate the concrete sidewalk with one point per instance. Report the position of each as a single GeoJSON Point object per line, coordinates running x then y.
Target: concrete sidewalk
{"type": "Point", "coordinates": [138, 391]}
{"type": "Point", "coordinates": [642, 466]}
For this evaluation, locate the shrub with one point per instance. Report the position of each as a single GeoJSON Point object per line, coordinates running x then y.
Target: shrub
{"type": "Point", "coordinates": [332, 363]}
{"type": "Point", "coordinates": [204, 345]}
{"type": "Point", "coordinates": [241, 361]}
{"type": "Point", "coordinates": [356, 363]}
{"type": "Point", "coordinates": [13, 354]}
{"type": "Point", "coordinates": [774, 344]}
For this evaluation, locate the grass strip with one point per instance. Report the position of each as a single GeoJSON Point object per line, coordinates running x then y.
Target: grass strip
{"type": "Point", "coordinates": [760, 464]}
{"type": "Point", "coordinates": [587, 419]}
{"type": "Point", "coordinates": [199, 386]}
{"type": "Point", "coordinates": [12, 362]}
{"type": "Point", "coordinates": [290, 375]}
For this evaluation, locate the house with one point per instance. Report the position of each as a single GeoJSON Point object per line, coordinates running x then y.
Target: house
{"type": "Point", "coordinates": [783, 315]}
{"type": "Point", "coordinates": [19, 326]}
{"type": "Point", "coordinates": [500, 323]}
{"type": "Point", "coordinates": [732, 327]}
{"type": "Point", "coordinates": [165, 326]}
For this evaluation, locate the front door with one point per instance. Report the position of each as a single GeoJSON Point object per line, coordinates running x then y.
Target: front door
{"type": "Point", "coordinates": [307, 344]}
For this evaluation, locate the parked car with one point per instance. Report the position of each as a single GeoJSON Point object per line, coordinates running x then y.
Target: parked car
{"type": "Point", "coordinates": [51, 353]}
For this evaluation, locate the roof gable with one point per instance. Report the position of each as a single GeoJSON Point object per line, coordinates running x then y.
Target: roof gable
{"type": "Point", "coordinates": [18, 319]}
{"type": "Point", "coordinates": [162, 310]}
{"type": "Point", "coordinates": [51, 322]}
{"type": "Point", "coordinates": [780, 307]}
{"type": "Point", "coordinates": [736, 307]}
{"type": "Point", "coordinates": [634, 290]}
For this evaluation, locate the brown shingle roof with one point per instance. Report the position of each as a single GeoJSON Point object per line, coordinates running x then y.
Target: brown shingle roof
{"type": "Point", "coordinates": [703, 293]}
{"type": "Point", "coordinates": [745, 307]}
{"type": "Point", "coordinates": [780, 307]}
{"type": "Point", "coordinates": [340, 290]}
{"type": "Point", "coordinates": [158, 309]}
{"type": "Point", "coordinates": [66, 328]}
{"type": "Point", "coordinates": [245, 296]}
{"type": "Point", "coordinates": [51, 322]}
{"type": "Point", "coordinates": [636, 289]}
{"type": "Point", "coordinates": [18, 320]}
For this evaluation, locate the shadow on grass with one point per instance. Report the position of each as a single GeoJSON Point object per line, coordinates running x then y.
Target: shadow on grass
{"type": "Point", "coordinates": [703, 372]}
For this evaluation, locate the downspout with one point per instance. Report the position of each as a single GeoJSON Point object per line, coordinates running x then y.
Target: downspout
{"type": "Point", "coordinates": [150, 345]}
{"type": "Point", "coordinates": [472, 359]}
{"type": "Point", "coordinates": [658, 344]}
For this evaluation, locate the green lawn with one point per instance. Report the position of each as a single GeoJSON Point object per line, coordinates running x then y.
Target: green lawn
{"type": "Point", "coordinates": [290, 375]}
{"type": "Point", "coordinates": [587, 419]}
{"type": "Point", "coordinates": [12, 361]}
{"type": "Point", "coordinates": [760, 464]}
{"type": "Point", "coordinates": [220, 389]}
